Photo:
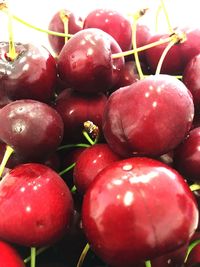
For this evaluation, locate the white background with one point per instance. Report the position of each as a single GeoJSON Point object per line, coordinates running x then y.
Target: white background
{"type": "Point", "coordinates": [39, 13]}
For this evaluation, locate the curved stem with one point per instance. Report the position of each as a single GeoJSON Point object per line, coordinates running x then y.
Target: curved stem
{"type": "Point", "coordinates": [90, 141]}
{"type": "Point", "coordinates": [12, 52]}
{"type": "Point", "coordinates": [147, 264]}
{"type": "Point", "coordinates": [142, 48]}
{"type": "Point", "coordinates": [67, 169]}
{"type": "Point", "coordinates": [72, 146]}
{"type": "Point", "coordinates": [38, 252]}
{"type": "Point", "coordinates": [8, 153]}
{"type": "Point", "coordinates": [83, 255]}
{"type": "Point", "coordinates": [33, 256]}
{"type": "Point", "coordinates": [134, 42]}
{"type": "Point", "coordinates": [194, 187]}
{"type": "Point", "coordinates": [190, 248]}
{"type": "Point", "coordinates": [166, 50]}
{"type": "Point", "coordinates": [166, 16]}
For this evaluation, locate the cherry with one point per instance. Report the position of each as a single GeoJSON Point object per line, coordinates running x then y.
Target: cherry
{"type": "Point", "coordinates": [9, 257]}
{"type": "Point", "coordinates": [187, 156]}
{"type": "Point", "coordinates": [156, 117]}
{"type": "Point", "coordinates": [32, 128]}
{"type": "Point", "coordinates": [191, 79]}
{"type": "Point", "coordinates": [32, 74]}
{"type": "Point", "coordinates": [85, 61]}
{"type": "Point", "coordinates": [36, 206]}
{"type": "Point", "coordinates": [56, 24]}
{"type": "Point", "coordinates": [90, 162]}
{"type": "Point", "coordinates": [112, 22]}
{"type": "Point", "coordinates": [76, 108]}
{"type": "Point", "coordinates": [178, 56]}
{"type": "Point", "coordinates": [138, 209]}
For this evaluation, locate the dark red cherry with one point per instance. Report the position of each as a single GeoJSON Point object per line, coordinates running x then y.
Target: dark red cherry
{"type": "Point", "coordinates": [86, 64]}
{"type": "Point", "coordinates": [76, 108]}
{"type": "Point", "coordinates": [9, 257]}
{"type": "Point", "coordinates": [56, 24]}
{"type": "Point", "coordinates": [35, 206]}
{"type": "Point", "coordinates": [150, 117]}
{"type": "Point", "coordinates": [178, 56]}
{"type": "Point", "coordinates": [138, 209]}
{"type": "Point", "coordinates": [114, 23]}
{"type": "Point", "coordinates": [32, 74]}
{"type": "Point", "coordinates": [191, 78]}
{"type": "Point", "coordinates": [90, 162]}
{"type": "Point", "coordinates": [32, 128]}
{"type": "Point", "coordinates": [187, 156]}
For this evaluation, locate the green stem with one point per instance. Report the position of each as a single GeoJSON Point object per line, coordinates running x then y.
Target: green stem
{"type": "Point", "coordinates": [65, 19]}
{"type": "Point", "coordinates": [5, 159]}
{"type": "Point", "coordinates": [90, 141]}
{"type": "Point", "coordinates": [12, 52]}
{"type": "Point", "coordinates": [166, 50]}
{"type": "Point", "coordinates": [33, 256]}
{"type": "Point", "coordinates": [67, 169]}
{"type": "Point", "coordinates": [73, 190]}
{"type": "Point", "coordinates": [72, 146]}
{"type": "Point", "coordinates": [134, 42]}
{"type": "Point", "coordinates": [147, 264]}
{"type": "Point", "coordinates": [83, 255]}
{"type": "Point", "coordinates": [166, 16]}
{"type": "Point", "coordinates": [142, 48]}
{"type": "Point", "coordinates": [38, 252]}
{"type": "Point", "coordinates": [194, 187]}
{"type": "Point", "coordinates": [190, 248]}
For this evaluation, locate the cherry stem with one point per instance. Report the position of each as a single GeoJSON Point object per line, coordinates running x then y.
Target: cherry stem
{"type": "Point", "coordinates": [190, 248]}
{"type": "Point", "coordinates": [72, 146]}
{"type": "Point", "coordinates": [147, 263]}
{"type": "Point", "coordinates": [83, 255]}
{"type": "Point", "coordinates": [38, 252]}
{"type": "Point", "coordinates": [166, 16]}
{"type": "Point", "coordinates": [89, 139]}
{"type": "Point", "coordinates": [194, 187]}
{"type": "Point", "coordinates": [7, 154]}
{"type": "Point", "coordinates": [65, 19]}
{"type": "Point", "coordinates": [73, 189]}
{"type": "Point", "coordinates": [67, 169]}
{"type": "Point", "coordinates": [142, 48]}
{"type": "Point", "coordinates": [134, 43]}
{"type": "Point", "coordinates": [12, 52]}
{"type": "Point", "coordinates": [60, 34]}
{"type": "Point", "coordinates": [33, 256]}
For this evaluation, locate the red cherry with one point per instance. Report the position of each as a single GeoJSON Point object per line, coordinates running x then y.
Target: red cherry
{"type": "Point", "coordinates": [35, 206]}
{"type": "Point", "coordinates": [32, 74]}
{"type": "Point", "coordinates": [56, 24]}
{"type": "Point", "coordinates": [112, 22]}
{"type": "Point", "coordinates": [138, 209]}
{"type": "Point", "coordinates": [9, 257]}
{"type": "Point", "coordinates": [150, 117]}
{"type": "Point", "coordinates": [85, 61]}
{"type": "Point", "coordinates": [90, 162]}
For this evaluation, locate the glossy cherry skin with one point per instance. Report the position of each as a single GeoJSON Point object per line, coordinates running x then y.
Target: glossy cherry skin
{"type": "Point", "coordinates": [56, 24]}
{"type": "Point", "coordinates": [36, 206]}
{"type": "Point", "coordinates": [191, 78]}
{"type": "Point", "coordinates": [112, 22]}
{"type": "Point", "coordinates": [187, 156]}
{"type": "Point", "coordinates": [150, 117]}
{"type": "Point", "coordinates": [138, 209]}
{"type": "Point", "coordinates": [178, 56]}
{"type": "Point", "coordinates": [9, 257]}
{"type": "Point", "coordinates": [76, 108]}
{"type": "Point", "coordinates": [32, 128]}
{"type": "Point", "coordinates": [31, 75]}
{"type": "Point", "coordinates": [85, 61]}
{"type": "Point", "coordinates": [90, 162]}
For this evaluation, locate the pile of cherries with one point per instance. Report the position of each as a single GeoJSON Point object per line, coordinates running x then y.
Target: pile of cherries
{"type": "Point", "coordinates": [100, 145]}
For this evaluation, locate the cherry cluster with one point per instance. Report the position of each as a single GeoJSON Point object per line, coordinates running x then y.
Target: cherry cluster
{"type": "Point", "coordinates": [100, 144]}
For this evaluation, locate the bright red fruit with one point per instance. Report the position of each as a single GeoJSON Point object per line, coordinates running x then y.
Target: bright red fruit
{"type": "Point", "coordinates": [35, 206]}
{"type": "Point", "coordinates": [90, 162]}
{"type": "Point", "coordinates": [138, 209]}
{"type": "Point", "coordinates": [112, 22]}
{"type": "Point", "coordinates": [86, 64]}
{"type": "Point", "coordinates": [9, 257]}
{"type": "Point", "coordinates": [150, 117]}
